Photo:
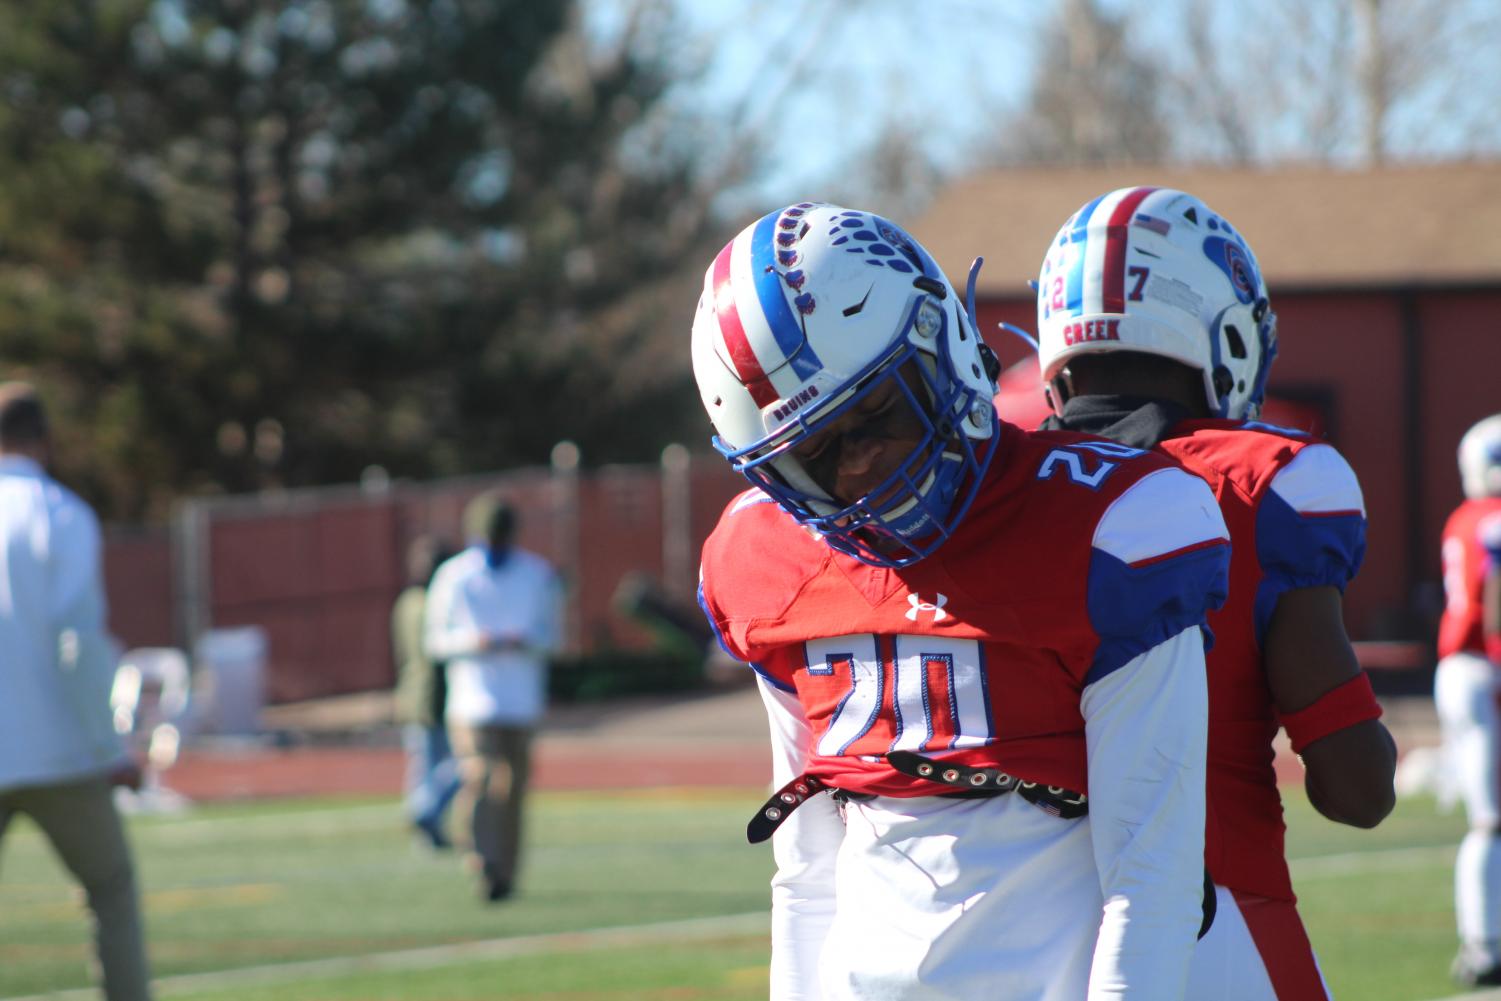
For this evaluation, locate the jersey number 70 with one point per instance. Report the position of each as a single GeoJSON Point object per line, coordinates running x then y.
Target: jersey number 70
{"type": "Point", "coordinates": [930, 695]}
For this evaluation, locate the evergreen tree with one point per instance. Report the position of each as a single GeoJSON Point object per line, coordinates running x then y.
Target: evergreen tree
{"type": "Point", "coordinates": [251, 243]}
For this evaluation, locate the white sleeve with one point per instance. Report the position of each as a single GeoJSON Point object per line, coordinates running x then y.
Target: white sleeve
{"type": "Point", "coordinates": [87, 653]}
{"type": "Point", "coordinates": [442, 636]}
{"type": "Point", "coordinates": [805, 848]}
{"type": "Point", "coordinates": [547, 635]}
{"type": "Point", "coordinates": [1145, 729]}
{"type": "Point", "coordinates": [77, 575]}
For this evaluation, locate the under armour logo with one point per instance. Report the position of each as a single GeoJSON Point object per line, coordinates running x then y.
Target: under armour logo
{"type": "Point", "coordinates": [918, 605]}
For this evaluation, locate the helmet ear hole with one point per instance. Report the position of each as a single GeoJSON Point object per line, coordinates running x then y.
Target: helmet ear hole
{"type": "Point", "coordinates": [1224, 382]}
{"type": "Point", "coordinates": [1237, 343]}
{"type": "Point", "coordinates": [991, 362]}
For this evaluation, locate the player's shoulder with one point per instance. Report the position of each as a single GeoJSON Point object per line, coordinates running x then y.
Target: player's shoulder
{"type": "Point", "coordinates": [1257, 456]}
{"type": "Point", "coordinates": [751, 515]}
{"type": "Point", "coordinates": [1073, 454]}
{"type": "Point", "coordinates": [1142, 504]}
{"type": "Point", "coordinates": [535, 563]}
{"type": "Point", "coordinates": [69, 511]}
{"type": "Point", "coordinates": [758, 556]}
{"type": "Point", "coordinates": [1231, 444]}
{"type": "Point", "coordinates": [460, 564]}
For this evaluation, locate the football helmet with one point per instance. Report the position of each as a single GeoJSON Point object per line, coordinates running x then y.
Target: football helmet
{"type": "Point", "coordinates": [1480, 459]}
{"type": "Point", "coordinates": [812, 309]}
{"type": "Point", "coordinates": [1158, 271]}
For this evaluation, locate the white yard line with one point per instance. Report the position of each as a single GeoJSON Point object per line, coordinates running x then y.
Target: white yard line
{"type": "Point", "coordinates": [1345, 863]}
{"type": "Point", "coordinates": [315, 820]}
{"type": "Point", "coordinates": [692, 930]}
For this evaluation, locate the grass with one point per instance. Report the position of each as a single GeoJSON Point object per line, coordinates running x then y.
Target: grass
{"type": "Point", "coordinates": [254, 887]}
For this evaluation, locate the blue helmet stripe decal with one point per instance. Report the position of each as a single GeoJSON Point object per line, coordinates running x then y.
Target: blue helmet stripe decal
{"type": "Point", "coordinates": [1080, 234]}
{"type": "Point", "coordinates": [785, 326]}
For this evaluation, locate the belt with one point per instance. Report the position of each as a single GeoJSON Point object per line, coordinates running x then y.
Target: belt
{"type": "Point", "coordinates": [964, 781]}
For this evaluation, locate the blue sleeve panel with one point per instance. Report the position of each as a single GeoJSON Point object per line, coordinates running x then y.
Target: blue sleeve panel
{"type": "Point", "coordinates": [1302, 550]}
{"type": "Point", "coordinates": [1134, 608]}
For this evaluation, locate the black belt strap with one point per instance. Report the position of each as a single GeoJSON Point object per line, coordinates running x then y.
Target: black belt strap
{"type": "Point", "coordinates": [1056, 800]}
{"type": "Point", "coordinates": [965, 780]}
{"type": "Point", "coordinates": [782, 802]}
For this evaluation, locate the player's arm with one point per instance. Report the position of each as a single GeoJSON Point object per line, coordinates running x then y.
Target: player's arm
{"type": "Point", "coordinates": [1146, 727]}
{"type": "Point", "coordinates": [806, 843]}
{"type": "Point", "coordinates": [1489, 533]}
{"type": "Point", "coordinates": [1310, 539]}
{"type": "Point", "coordinates": [804, 847]}
{"type": "Point", "coordinates": [1160, 563]}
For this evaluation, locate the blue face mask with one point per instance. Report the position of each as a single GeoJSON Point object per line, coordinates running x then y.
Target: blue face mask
{"type": "Point", "coordinates": [910, 515]}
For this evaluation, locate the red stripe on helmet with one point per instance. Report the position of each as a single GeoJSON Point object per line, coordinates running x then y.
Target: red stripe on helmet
{"type": "Point", "coordinates": [1113, 292]}
{"type": "Point", "coordinates": [747, 366]}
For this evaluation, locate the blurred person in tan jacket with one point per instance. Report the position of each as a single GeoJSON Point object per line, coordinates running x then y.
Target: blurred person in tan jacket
{"type": "Point", "coordinates": [432, 776]}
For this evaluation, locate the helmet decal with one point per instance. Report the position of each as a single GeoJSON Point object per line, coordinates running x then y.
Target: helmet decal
{"type": "Point", "coordinates": [884, 244]}
{"type": "Point", "coordinates": [759, 332]}
{"type": "Point", "coordinates": [1230, 256]}
{"type": "Point", "coordinates": [1107, 255]}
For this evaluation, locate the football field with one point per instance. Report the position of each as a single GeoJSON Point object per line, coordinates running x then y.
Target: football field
{"type": "Point", "coordinates": [631, 895]}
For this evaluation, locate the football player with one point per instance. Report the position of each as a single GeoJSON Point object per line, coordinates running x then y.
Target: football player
{"type": "Point", "coordinates": [1156, 331]}
{"type": "Point", "coordinates": [1466, 693]}
{"type": "Point", "coordinates": [980, 648]}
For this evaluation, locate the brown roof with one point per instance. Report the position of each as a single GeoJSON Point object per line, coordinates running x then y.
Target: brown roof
{"type": "Point", "coordinates": [1311, 227]}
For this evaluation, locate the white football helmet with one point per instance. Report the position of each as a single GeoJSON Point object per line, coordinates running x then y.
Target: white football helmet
{"type": "Point", "coordinates": [1158, 271]}
{"type": "Point", "coordinates": [1480, 459]}
{"type": "Point", "coordinates": [805, 313]}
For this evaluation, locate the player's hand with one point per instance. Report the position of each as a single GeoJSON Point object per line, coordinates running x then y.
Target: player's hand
{"type": "Point", "coordinates": [499, 642]}
{"type": "Point", "coordinates": [126, 774]}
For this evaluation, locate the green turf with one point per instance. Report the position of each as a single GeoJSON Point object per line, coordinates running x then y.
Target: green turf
{"type": "Point", "coordinates": [255, 885]}
{"type": "Point", "coordinates": [1383, 925]}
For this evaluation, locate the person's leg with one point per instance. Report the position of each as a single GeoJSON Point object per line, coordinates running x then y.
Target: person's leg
{"type": "Point", "coordinates": [474, 775]}
{"type": "Point", "coordinates": [80, 820]}
{"type": "Point", "coordinates": [1465, 693]}
{"type": "Point", "coordinates": [445, 771]}
{"type": "Point", "coordinates": [427, 793]}
{"type": "Point", "coordinates": [508, 788]}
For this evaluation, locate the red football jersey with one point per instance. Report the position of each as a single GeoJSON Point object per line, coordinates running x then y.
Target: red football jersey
{"type": "Point", "coordinates": [1471, 546]}
{"type": "Point", "coordinates": [1290, 527]}
{"type": "Point", "coordinates": [1076, 556]}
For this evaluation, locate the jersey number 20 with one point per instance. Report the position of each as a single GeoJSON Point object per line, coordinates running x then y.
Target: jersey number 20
{"type": "Point", "coordinates": [940, 699]}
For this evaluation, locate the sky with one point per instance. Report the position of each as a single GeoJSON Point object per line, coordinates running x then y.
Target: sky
{"type": "Point", "coordinates": [946, 70]}
{"type": "Point", "coordinates": [833, 74]}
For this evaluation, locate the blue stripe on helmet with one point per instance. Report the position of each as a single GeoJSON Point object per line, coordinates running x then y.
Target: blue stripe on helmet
{"type": "Point", "coordinates": [785, 326]}
{"type": "Point", "coordinates": [1079, 235]}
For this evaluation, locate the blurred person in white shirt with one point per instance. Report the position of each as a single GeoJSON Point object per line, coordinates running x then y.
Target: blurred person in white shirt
{"type": "Point", "coordinates": [493, 615]}
{"type": "Point", "coordinates": [59, 754]}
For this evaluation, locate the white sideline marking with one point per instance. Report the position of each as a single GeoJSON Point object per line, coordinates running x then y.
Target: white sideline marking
{"type": "Point", "coordinates": [693, 929]}
{"type": "Point", "coordinates": [1345, 863]}
{"type": "Point", "coordinates": [315, 820]}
